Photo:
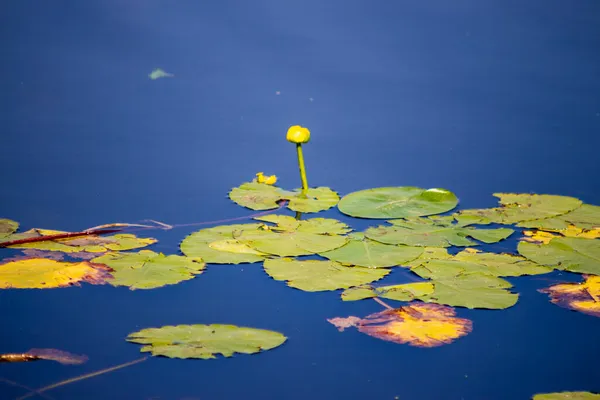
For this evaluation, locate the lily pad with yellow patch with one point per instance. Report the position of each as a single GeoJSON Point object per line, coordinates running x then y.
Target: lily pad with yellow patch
{"type": "Point", "coordinates": [42, 273]}
{"type": "Point", "coordinates": [418, 324]}
{"type": "Point", "coordinates": [583, 297]}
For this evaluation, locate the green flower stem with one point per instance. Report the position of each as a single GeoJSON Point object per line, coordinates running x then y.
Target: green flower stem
{"type": "Point", "coordinates": [302, 169]}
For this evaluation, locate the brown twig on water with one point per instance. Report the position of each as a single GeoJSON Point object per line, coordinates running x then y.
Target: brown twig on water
{"type": "Point", "coordinates": [66, 235]}
{"type": "Point", "coordinates": [383, 303]}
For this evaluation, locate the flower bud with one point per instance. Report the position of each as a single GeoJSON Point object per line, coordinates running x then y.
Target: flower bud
{"type": "Point", "coordinates": [297, 134]}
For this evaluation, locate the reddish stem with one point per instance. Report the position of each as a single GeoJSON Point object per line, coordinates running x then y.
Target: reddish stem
{"type": "Point", "coordinates": [58, 236]}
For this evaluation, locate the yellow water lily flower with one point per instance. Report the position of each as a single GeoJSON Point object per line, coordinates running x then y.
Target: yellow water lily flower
{"type": "Point", "coordinates": [269, 179]}
{"type": "Point", "coordinates": [298, 134]}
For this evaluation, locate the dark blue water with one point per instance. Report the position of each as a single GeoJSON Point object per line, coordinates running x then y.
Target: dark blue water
{"type": "Point", "coordinates": [473, 96]}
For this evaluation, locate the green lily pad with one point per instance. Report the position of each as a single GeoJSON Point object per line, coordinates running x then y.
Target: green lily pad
{"type": "Point", "coordinates": [585, 217]}
{"type": "Point", "coordinates": [565, 253]}
{"type": "Point", "coordinates": [215, 245]}
{"type": "Point", "coordinates": [470, 261]}
{"type": "Point", "coordinates": [517, 208]}
{"type": "Point", "coordinates": [364, 252]}
{"type": "Point", "coordinates": [89, 244]}
{"type": "Point", "coordinates": [403, 292]}
{"type": "Point", "coordinates": [567, 396]}
{"type": "Point", "coordinates": [7, 227]}
{"type": "Point", "coordinates": [261, 196]}
{"type": "Point", "coordinates": [295, 238]}
{"type": "Point", "coordinates": [397, 202]}
{"type": "Point", "coordinates": [149, 270]}
{"type": "Point", "coordinates": [472, 291]}
{"type": "Point", "coordinates": [318, 275]}
{"type": "Point", "coordinates": [205, 341]}
{"type": "Point", "coordinates": [433, 233]}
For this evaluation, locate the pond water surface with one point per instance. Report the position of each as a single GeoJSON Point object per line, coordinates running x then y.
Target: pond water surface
{"type": "Point", "coordinates": [472, 96]}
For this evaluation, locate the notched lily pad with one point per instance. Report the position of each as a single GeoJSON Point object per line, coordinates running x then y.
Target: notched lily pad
{"type": "Point", "coordinates": [565, 253]}
{"type": "Point", "coordinates": [402, 292]}
{"type": "Point", "coordinates": [295, 238]}
{"type": "Point", "coordinates": [520, 207]}
{"type": "Point", "coordinates": [149, 270]}
{"type": "Point", "coordinates": [586, 217]}
{"type": "Point", "coordinates": [205, 341]}
{"type": "Point", "coordinates": [41, 273]}
{"type": "Point", "coordinates": [583, 297]}
{"type": "Point", "coordinates": [318, 275]}
{"type": "Point", "coordinates": [89, 244]}
{"type": "Point", "coordinates": [219, 245]}
{"type": "Point", "coordinates": [397, 202]}
{"type": "Point", "coordinates": [419, 325]}
{"type": "Point", "coordinates": [262, 196]}
{"type": "Point", "coordinates": [364, 252]}
{"type": "Point", "coordinates": [439, 232]}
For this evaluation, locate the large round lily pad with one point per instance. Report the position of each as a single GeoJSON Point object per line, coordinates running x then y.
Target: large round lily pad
{"type": "Point", "coordinates": [224, 248]}
{"type": "Point", "coordinates": [397, 202]}
{"type": "Point", "coordinates": [318, 275]}
{"type": "Point", "coordinates": [364, 252]}
{"type": "Point", "coordinates": [149, 270]}
{"type": "Point", "coordinates": [205, 341]}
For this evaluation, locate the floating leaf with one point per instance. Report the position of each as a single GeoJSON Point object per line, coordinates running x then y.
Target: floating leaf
{"type": "Point", "coordinates": [318, 275]}
{"type": "Point", "coordinates": [583, 297]}
{"type": "Point", "coordinates": [41, 273]}
{"type": "Point", "coordinates": [565, 253]}
{"type": "Point", "coordinates": [473, 261]}
{"type": "Point", "coordinates": [261, 196]}
{"type": "Point", "coordinates": [571, 231]}
{"type": "Point", "coordinates": [205, 341]}
{"type": "Point", "coordinates": [419, 325]}
{"type": "Point", "coordinates": [343, 323]}
{"type": "Point", "coordinates": [198, 244]}
{"type": "Point", "coordinates": [7, 227]}
{"type": "Point", "coordinates": [567, 396]}
{"type": "Point", "coordinates": [519, 208]}
{"type": "Point", "coordinates": [295, 238]}
{"type": "Point", "coordinates": [433, 233]}
{"type": "Point", "coordinates": [159, 73]}
{"type": "Point", "coordinates": [364, 252]}
{"type": "Point", "coordinates": [90, 243]}
{"type": "Point", "coordinates": [403, 292]}
{"type": "Point", "coordinates": [60, 356]}
{"type": "Point", "coordinates": [149, 270]}
{"type": "Point", "coordinates": [586, 217]}
{"type": "Point", "coordinates": [397, 202]}
{"type": "Point", "coordinates": [472, 291]}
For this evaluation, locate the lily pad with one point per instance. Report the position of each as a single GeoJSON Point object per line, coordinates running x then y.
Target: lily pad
{"type": "Point", "coordinates": [41, 273]}
{"type": "Point", "coordinates": [397, 202]}
{"type": "Point", "coordinates": [567, 396]}
{"type": "Point", "coordinates": [472, 261]}
{"type": "Point", "coordinates": [518, 208]}
{"type": "Point", "coordinates": [565, 253]}
{"type": "Point", "coordinates": [149, 270]}
{"type": "Point", "coordinates": [583, 297]}
{"type": "Point", "coordinates": [7, 227]}
{"type": "Point", "coordinates": [89, 244]}
{"type": "Point", "coordinates": [403, 292]}
{"type": "Point", "coordinates": [433, 233]}
{"type": "Point", "coordinates": [318, 275]}
{"type": "Point", "coordinates": [219, 245]}
{"type": "Point", "coordinates": [364, 252]}
{"type": "Point", "coordinates": [262, 196]}
{"type": "Point", "coordinates": [419, 325]}
{"type": "Point", "coordinates": [295, 238]}
{"type": "Point", "coordinates": [586, 217]}
{"type": "Point", "coordinates": [205, 341]}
